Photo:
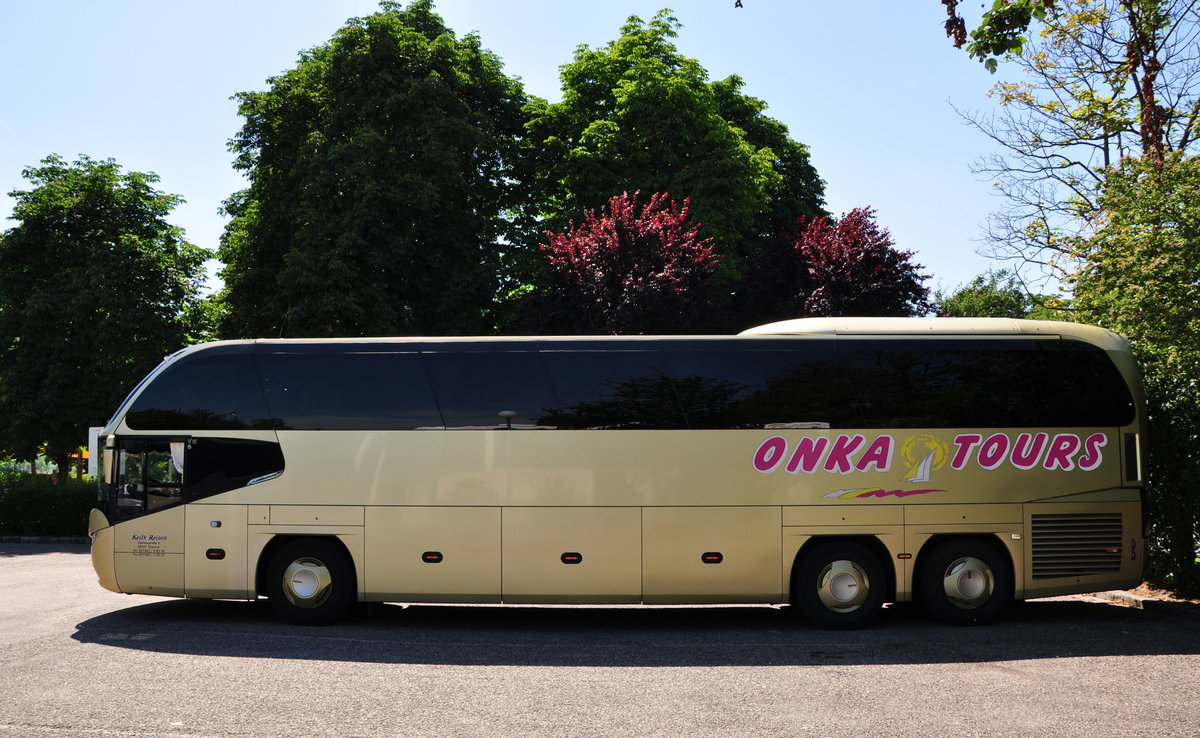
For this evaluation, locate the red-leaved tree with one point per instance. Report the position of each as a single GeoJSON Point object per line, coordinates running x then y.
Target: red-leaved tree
{"type": "Point", "coordinates": [848, 266]}
{"type": "Point", "coordinates": [629, 269]}
{"type": "Point", "coordinates": [855, 269]}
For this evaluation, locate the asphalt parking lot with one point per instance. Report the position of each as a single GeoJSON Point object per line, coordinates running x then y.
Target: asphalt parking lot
{"type": "Point", "coordinates": [81, 661]}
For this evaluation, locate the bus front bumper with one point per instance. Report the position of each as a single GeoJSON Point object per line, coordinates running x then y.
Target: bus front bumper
{"type": "Point", "coordinates": [103, 560]}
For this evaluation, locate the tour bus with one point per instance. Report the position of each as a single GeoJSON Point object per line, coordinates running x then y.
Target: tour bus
{"type": "Point", "coordinates": [836, 464]}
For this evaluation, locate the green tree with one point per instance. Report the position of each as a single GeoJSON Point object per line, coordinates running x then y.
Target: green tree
{"type": "Point", "coordinates": [638, 115]}
{"type": "Point", "coordinates": [1141, 277]}
{"type": "Point", "coordinates": [1104, 79]}
{"type": "Point", "coordinates": [95, 288]}
{"type": "Point", "coordinates": [998, 294]}
{"type": "Point", "coordinates": [799, 193]}
{"type": "Point", "coordinates": [381, 194]}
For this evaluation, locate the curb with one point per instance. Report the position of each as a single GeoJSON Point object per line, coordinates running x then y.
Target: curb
{"type": "Point", "coordinates": [1121, 597]}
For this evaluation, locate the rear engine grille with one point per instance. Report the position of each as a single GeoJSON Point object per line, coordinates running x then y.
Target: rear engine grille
{"type": "Point", "coordinates": [1076, 545]}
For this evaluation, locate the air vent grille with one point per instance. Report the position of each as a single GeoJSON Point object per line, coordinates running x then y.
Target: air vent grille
{"type": "Point", "coordinates": [1075, 545]}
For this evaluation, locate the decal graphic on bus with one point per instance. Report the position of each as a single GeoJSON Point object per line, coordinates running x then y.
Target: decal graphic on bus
{"type": "Point", "coordinates": [922, 454]}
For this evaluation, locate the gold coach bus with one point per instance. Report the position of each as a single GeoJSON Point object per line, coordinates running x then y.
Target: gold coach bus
{"type": "Point", "coordinates": [834, 464]}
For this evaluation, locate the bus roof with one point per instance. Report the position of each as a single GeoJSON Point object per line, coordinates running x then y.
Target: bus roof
{"type": "Point", "coordinates": [938, 327]}
{"type": "Point", "coordinates": [830, 327]}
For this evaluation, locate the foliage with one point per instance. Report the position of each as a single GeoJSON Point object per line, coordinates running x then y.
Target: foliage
{"type": "Point", "coordinates": [993, 295]}
{"type": "Point", "coordinates": [1141, 277]}
{"type": "Point", "coordinates": [799, 192]}
{"type": "Point", "coordinates": [636, 115]}
{"type": "Point", "coordinates": [631, 269]}
{"type": "Point", "coordinates": [381, 197]}
{"type": "Point", "coordinates": [855, 269]}
{"type": "Point", "coordinates": [96, 288]}
{"type": "Point", "coordinates": [1000, 31]}
{"type": "Point", "coordinates": [847, 266]}
{"type": "Point", "coordinates": [204, 318]}
{"type": "Point", "coordinates": [1104, 79]}
{"type": "Point", "coordinates": [36, 506]}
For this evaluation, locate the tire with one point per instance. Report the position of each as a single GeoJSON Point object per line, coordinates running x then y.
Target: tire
{"type": "Point", "coordinates": [839, 584]}
{"type": "Point", "coordinates": [965, 582]}
{"type": "Point", "coordinates": [310, 581]}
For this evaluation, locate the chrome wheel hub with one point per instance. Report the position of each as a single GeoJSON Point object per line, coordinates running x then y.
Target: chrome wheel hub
{"type": "Point", "coordinates": [968, 582]}
{"type": "Point", "coordinates": [307, 583]}
{"type": "Point", "coordinates": [843, 586]}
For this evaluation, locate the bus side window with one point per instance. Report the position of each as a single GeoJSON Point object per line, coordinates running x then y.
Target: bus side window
{"type": "Point", "coordinates": [149, 475]}
{"type": "Point", "coordinates": [482, 390]}
{"type": "Point", "coordinates": [764, 385]}
{"type": "Point", "coordinates": [202, 391]}
{"type": "Point", "coordinates": [164, 473]}
{"type": "Point", "coordinates": [310, 391]}
{"type": "Point", "coordinates": [130, 493]}
{"type": "Point", "coordinates": [619, 389]}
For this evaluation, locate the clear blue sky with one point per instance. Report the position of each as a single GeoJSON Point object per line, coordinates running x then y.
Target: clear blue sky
{"type": "Point", "coordinates": [866, 85]}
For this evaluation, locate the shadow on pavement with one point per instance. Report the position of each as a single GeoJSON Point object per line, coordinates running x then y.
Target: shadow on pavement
{"type": "Point", "coordinates": [644, 636]}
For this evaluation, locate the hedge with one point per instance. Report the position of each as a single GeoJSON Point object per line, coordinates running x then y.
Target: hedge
{"type": "Point", "coordinates": [35, 506]}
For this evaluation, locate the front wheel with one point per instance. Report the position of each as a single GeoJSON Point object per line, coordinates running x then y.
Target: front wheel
{"type": "Point", "coordinates": [965, 582]}
{"type": "Point", "coordinates": [839, 584]}
{"type": "Point", "coordinates": [310, 581]}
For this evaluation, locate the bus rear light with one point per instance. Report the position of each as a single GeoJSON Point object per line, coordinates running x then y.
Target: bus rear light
{"type": "Point", "coordinates": [1133, 458]}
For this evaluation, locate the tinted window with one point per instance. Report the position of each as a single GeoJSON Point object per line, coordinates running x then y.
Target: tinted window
{"type": "Point", "coordinates": [612, 389]}
{"type": "Point", "coordinates": [323, 389]}
{"type": "Point", "coordinates": [740, 386]}
{"type": "Point", "coordinates": [770, 383]}
{"type": "Point", "coordinates": [986, 383]}
{"type": "Point", "coordinates": [208, 390]}
{"type": "Point", "coordinates": [706, 385]}
{"type": "Point", "coordinates": [490, 389]}
{"type": "Point", "coordinates": [216, 465]}
{"type": "Point", "coordinates": [149, 477]}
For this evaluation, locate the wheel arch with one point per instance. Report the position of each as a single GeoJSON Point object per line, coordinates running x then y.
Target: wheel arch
{"type": "Point", "coordinates": [279, 541]}
{"type": "Point", "coordinates": [871, 543]}
{"type": "Point", "coordinates": [992, 540]}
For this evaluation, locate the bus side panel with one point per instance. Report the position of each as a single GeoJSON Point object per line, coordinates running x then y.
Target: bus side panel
{"type": "Point", "coordinates": [215, 562]}
{"type": "Point", "coordinates": [1083, 546]}
{"type": "Point", "coordinates": [712, 554]}
{"type": "Point", "coordinates": [148, 553]}
{"type": "Point", "coordinates": [433, 554]}
{"type": "Point", "coordinates": [572, 554]}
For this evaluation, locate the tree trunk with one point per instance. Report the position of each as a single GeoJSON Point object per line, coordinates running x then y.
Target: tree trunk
{"type": "Point", "coordinates": [63, 463]}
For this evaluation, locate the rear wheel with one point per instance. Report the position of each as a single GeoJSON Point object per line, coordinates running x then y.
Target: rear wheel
{"type": "Point", "coordinates": [965, 582]}
{"type": "Point", "coordinates": [839, 584]}
{"type": "Point", "coordinates": [310, 581]}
